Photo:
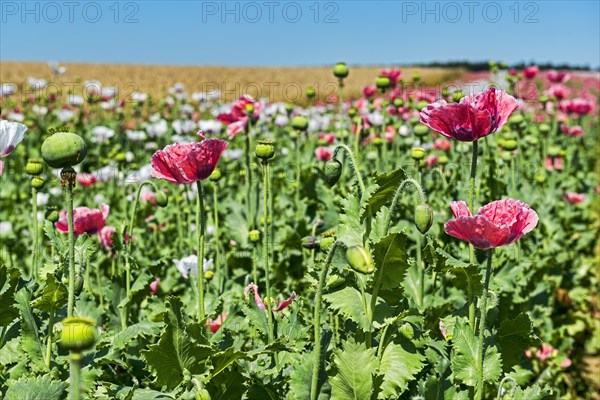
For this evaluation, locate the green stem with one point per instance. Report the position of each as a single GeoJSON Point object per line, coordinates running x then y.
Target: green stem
{"type": "Point", "coordinates": [317, 323]}
{"type": "Point", "coordinates": [483, 313]}
{"type": "Point", "coordinates": [396, 197]}
{"type": "Point", "coordinates": [75, 362]}
{"type": "Point", "coordinates": [200, 241]}
{"type": "Point", "coordinates": [69, 198]}
{"type": "Point", "coordinates": [354, 163]}
{"type": "Point", "coordinates": [249, 215]}
{"type": "Point", "coordinates": [265, 249]}
{"type": "Point", "coordinates": [217, 244]}
{"type": "Point", "coordinates": [421, 267]}
{"type": "Point", "coordinates": [471, 295]}
{"type": "Point", "coordinates": [297, 161]}
{"type": "Point", "coordinates": [35, 254]}
{"type": "Point", "coordinates": [341, 102]}
{"type": "Point", "coordinates": [49, 339]}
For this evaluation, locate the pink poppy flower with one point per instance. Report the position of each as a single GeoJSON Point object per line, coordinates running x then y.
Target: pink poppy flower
{"type": "Point", "coordinates": [554, 163]}
{"type": "Point", "coordinates": [261, 305]}
{"type": "Point", "coordinates": [86, 179]}
{"type": "Point", "coordinates": [369, 91]}
{"type": "Point", "coordinates": [441, 144]}
{"type": "Point", "coordinates": [431, 160]}
{"type": "Point", "coordinates": [393, 75]}
{"type": "Point", "coordinates": [85, 220]}
{"type": "Point", "coordinates": [573, 131]}
{"type": "Point", "coordinates": [187, 163]}
{"type": "Point", "coordinates": [1, 167]}
{"type": "Point", "coordinates": [531, 71]}
{"type": "Point", "coordinates": [578, 106]}
{"type": "Point", "coordinates": [557, 77]}
{"type": "Point", "coordinates": [215, 325]}
{"type": "Point", "coordinates": [237, 119]}
{"type": "Point", "coordinates": [323, 153]}
{"type": "Point", "coordinates": [574, 198]}
{"type": "Point", "coordinates": [154, 286]}
{"type": "Point", "coordinates": [566, 363]}
{"type": "Point", "coordinates": [496, 224]}
{"type": "Point", "coordinates": [545, 352]}
{"type": "Point", "coordinates": [105, 236]}
{"type": "Point", "coordinates": [474, 117]}
{"type": "Point", "coordinates": [327, 138]}
{"type": "Point", "coordinates": [558, 91]}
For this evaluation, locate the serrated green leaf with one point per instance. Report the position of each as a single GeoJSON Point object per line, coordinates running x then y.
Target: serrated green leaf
{"type": "Point", "coordinates": [176, 351]}
{"type": "Point", "coordinates": [390, 255]}
{"type": "Point", "coordinates": [465, 360]}
{"type": "Point", "coordinates": [534, 392]}
{"type": "Point", "coordinates": [387, 185]}
{"type": "Point", "coordinates": [9, 279]}
{"type": "Point", "coordinates": [53, 296]}
{"type": "Point", "coordinates": [30, 340]}
{"type": "Point", "coordinates": [355, 365]}
{"type": "Point", "coordinates": [514, 337]}
{"type": "Point", "coordinates": [398, 367]}
{"type": "Point", "coordinates": [348, 301]}
{"type": "Point", "coordinates": [38, 388]}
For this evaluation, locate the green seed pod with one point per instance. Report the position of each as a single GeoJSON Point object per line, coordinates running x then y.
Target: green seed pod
{"type": "Point", "coordinates": [382, 82]}
{"type": "Point", "coordinates": [540, 178]}
{"type": "Point", "coordinates": [310, 92]}
{"type": "Point", "coordinates": [515, 119]}
{"type": "Point", "coordinates": [78, 284]}
{"type": "Point", "coordinates": [421, 130]}
{"type": "Point", "coordinates": [352, 112]}
{"type": "Point", "coordinates": [333, 171]}
{"type": "Point", "coordinates": [310, 242]}
{"type": "Point", "coordinates": [544, 128]}
{"type": "Point", "coordinates": [360, 259]}
{"type": "Point", "coordinates": [422, 104]}
{"type": "Point", "coordinates": [299, 123]}
{"type": "Point", "coordinates": [398, 102]}
{"type": "Point", "coordinates": [506, 156]}
{"type": "Point", "coordinates": [78, 333]}
{"type": "Point", "coordinates": [407, 331]}
{"type": "Point", "coordinates": [161, 198]}
{"type": "Point", "coordinates": [445, 92]}
{"type": "Point", "coordinates": [385, 104]}
{"type": "Point", "coordinates": [378, 141]}
{"type": "Point", "coordinates": [37, 182]}
{"type": "Point", "coordinates": [423, 217]}
{"type": "Point", "coordinates": [34, 166]}
{"type": "Point", "coordinates": [553, 151]}
{"type": "Point", "coordinates": [443, 159]}
{"type": "Point", "coordinates": [544, 99]}
{"type": "Point", "coordinates": [456, 96]}
{"type": "Point", "coordinates": [416, 77]}
{"type": "Point", "coordinates": [341, 70]}
{"type": "Point", "coordinates": [289, 108]}
{"type": "Point", "coordinates": [52, 215]}
{"type": "Point", "coordinates": [215, 176]}
{"type": "Point", "coordinates": [265, 149]}
{"type": "Point", "coordinates": [63, 149]}
{"type": "Point", "coordinates": [254, 235]}
{"type": "Point", "coordinates": [510, 144]}
{"type": "Point", "coordinates": [417, 153]}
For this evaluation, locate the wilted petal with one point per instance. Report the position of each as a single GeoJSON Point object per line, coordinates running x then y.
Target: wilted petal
{"type": "Point", "coordinates": [257, 299]}
{"type": "Point", "coordinates": [286, 303]}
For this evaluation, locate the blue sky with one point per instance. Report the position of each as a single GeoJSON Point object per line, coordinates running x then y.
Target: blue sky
{"type": "Point", "coordinates": [288, 33]}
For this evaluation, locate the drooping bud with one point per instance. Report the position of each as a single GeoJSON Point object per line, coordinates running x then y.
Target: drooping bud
{"type": "Point", "coordinates": [310, 242]}
{"type": "Point", "coordinates": [78, 334]}
{"type": "Point", "coordinates": [161, 198]}
{"type": "Point", "coordinates": [423, 217]}
{"type": "Point", "coordinates": [360, 259]}
{"type": "Point", "coordinates": [78, 284]}
{"type": "Point", "coordinates": [333, 171]}
{"type": "Point", "coordinates": [52, 214]}
{"type": "Point", "coordinates": [407, 331]}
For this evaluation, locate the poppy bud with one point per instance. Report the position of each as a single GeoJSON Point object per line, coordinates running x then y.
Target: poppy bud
{"type": "Point", "coordinates": [215, 176]}
{"type": "Point", "coordinates": [544, 128]}
{"type": "Point", "coordinates": [417, 153]}
{"type": "Point", "coordinates": [37, 182]}
{"type": "Point", "coordinates": [310, 242]}
{"type": "Point", "coordinates": [52, 215]}
{"type": "Point", "coordinates": [378, 141]}
{"type": "Point", "coordinates": [289, 108]}
{"type": "Point", "coordinates": [326, 243]}
{"type": "Point", "coordinates": [121, 156]}
{"type": "Point", "coordinates": [63, 149]}
{"type": "Point", "coordinates": [209, 274]}
{"type": "Point", "coordinates": [34, 166]}
{"type": "Point", "coordinates": [423, 217]}
{"type": "Point", "coordinates": [398, 102]}
{"type": "Point", "coordinates": [515, 119]}
{"type": "Point", "coordinates": [352, 112]}
{"type": "Point", "coordinates": [416, 77]}
{"type": "Point", "coordinates": [445, 92]}
{"type": "Point", "coordinates": [265, 149]}
{"type": "Point", "coordinates": [78, 284]}
{"type": "Point", "coordinates": [382, 82]}
{"type": "Point", "coordinates": [540, 178]}
{"type": "Point", "coordinates": [407, 331]}
{"type": "Point", "coordinates": [506, 156]}
{"type": "Point", "coordinates": [544, 99]}
{"type": "Point", "coordinates": [78, 333]}
{"type": "Point", "coordinates": [360, 259]}
{"type": "Point", "coordinates": [341, 70]}
{"type": "Point", "coordinates": [385, 103]}
{"type": "Point", "coordinates": [510, 144]}
{"type": "Point", "coordinates": [553, 151]}
{"type": "Point", "coordinates": [421, 130]}
{"type": "Point", "coordinates": [333, 171]}
{"type": "Point", "coordinates": [254, 235]}
{"type": "Point", "coordinates": [299, 123]}
{"type": "Point", "coordinates": [161, 198]}
{"type": "Point", "coordinates": [422, 104]}
{"type": "Point", "coordinates": [310, 92]}
{"type": "Point", "coordinates": [456, 96]}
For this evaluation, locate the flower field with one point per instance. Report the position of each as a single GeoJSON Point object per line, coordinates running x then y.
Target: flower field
{"type": "Point", "coordinates": [400, 236]}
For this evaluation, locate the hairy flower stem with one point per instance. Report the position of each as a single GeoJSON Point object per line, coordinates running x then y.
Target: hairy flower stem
{"type": "Point", "coordinates": [69, 198]}
{"type": "Point", "coordinates": [75, 364]}
{"type": "Point", "coordinates": [317, 322]}
{"type": "Point", "coordinates": [471, 295]}
{"type": "Point", "coordinates": [341, 104]}
{"type": "Point", "coordinates": [354, 164]}
{"type": "Point", "coordinates": [265, 249]}
{"type": "Point", "coordinates": [35, 255]}
{"type": "Point", "coordinates": [483, 313]}
{"type": "Point", "coordinates": [200, 240]}
{"type": "Point", "coordinates": [249, 213]}
{"type": "Point", "coordinates": [218, 244]}
{"type": "Point", "coordinates": [396, 198]}
{"type": "Point", "coordinates": [49, 338]}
